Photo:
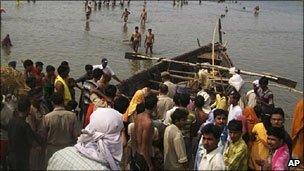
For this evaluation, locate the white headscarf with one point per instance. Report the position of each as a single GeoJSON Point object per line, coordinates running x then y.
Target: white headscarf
{"type": "Point", "coordinates": [256, 83]}
{"type": "Point", "coordinates": [206, 108]}
{"type": "Point", "coordinates": [100, 140]}
{"type": "Point", "coordinates": [236, 80]}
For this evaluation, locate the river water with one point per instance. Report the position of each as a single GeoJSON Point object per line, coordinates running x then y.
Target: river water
{"type": "Point", "coordinates": [52, 31]}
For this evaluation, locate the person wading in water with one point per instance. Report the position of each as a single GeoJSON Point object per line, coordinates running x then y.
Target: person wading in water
{"type": "Point", "coordinates": [125, 15]}
{"type": "Point", "coordinates": [136, 39]}
{"type": "Point", "coordinates": [149, 41]}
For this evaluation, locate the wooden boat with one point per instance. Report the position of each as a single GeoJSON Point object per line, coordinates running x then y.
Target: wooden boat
{"type": "Point", "coordinates": [179, 71]}
{"type": "Point", "coordinates": [187, 65]}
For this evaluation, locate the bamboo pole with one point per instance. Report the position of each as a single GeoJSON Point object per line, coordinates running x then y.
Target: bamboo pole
{"type": "Point", "coordinates": [288, 88]}
{"type": "Point", "coordinates": [283, 87]}
{"type": "Point", "coordinates": [225, 79]}
{"type": "Point", "coordinates": [182, 77]}
{"type": "Point", "coordinates": [155, 82]}
{"type": "Point", "coordinates": [225, 44]}
{"type": "Point", "coordinates": [220, 31]}
{"type": "Point", "coordinates": [212, 55]}
{"type": "Point", "coordinates": [272, 77]}
{"type": "Point", "coordinates": [223, 83]}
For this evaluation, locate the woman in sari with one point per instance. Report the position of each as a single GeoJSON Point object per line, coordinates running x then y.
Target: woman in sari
{"type": "Point", "coordinates": [297, 132]}
{"type": "Point", "coordinates": [259, 145]}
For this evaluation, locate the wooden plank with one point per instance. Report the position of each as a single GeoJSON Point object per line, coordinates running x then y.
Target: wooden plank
{"type": "Point", "coordinates": [182, 72]}
{"type": "Point", "coordinates": [181, 77]}
{"type": "Point", "coordinates": [134, 56]}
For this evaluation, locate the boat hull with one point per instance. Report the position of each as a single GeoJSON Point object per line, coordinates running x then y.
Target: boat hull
{"type": "Point", "coordinates": [152, 74]}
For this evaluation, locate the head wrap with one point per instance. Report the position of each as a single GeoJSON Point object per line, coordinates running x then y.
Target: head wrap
{"type": "Point", "coordinates": [100, 140]}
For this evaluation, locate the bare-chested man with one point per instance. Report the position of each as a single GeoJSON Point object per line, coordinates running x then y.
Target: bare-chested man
{"type": "Point", "coordinates": [136, 39]}
{"type": "Point", "coordinates": [143, 16]}
{"type": "Point", "coordinates": [143, 130]}
{"type": "Point", "coordinates": [149, 41]}
{"type": "Point", "coordinates": [125, 15]}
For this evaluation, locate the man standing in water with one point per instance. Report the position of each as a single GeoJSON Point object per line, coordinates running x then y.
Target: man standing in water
{"type": "Point", "coordinates": [149, 41]}
{"type": "Point", "coordinates": [143, 16]}
{"type": "Point", "coordinates": [256, 10]}
{"type": "Point", "coordinates": [88, 10]}
{"type": "Point", "coordinates": [136, 39]}
{"type": "Point", "coordinates": [125, 15]}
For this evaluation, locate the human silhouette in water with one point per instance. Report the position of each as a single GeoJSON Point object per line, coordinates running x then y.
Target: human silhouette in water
{"type": "Point", "coordinates": [6, 42]}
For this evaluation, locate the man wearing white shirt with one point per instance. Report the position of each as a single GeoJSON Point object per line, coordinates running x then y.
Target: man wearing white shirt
{"type": "Point", "coordinates": [206, 107]}
{"type": "Point", "coordinates": [175, 156]}
{"type": "Point", "coordinates": [211, 158]}
{"type": "Point", "coordinates": [234, 109]}
{"type": "Point", "coordinates": [251, 96]}
{"type": "Point", "coordinates": [171, 86]}
{"type": "Point", "coordinates": [106, 69]}
{"type": "Point", "coordinates": [164, 102]}
{"type": "Point", "coordinates": [167, 118]}
{"type": "Point", "coordinates": [220, 120]}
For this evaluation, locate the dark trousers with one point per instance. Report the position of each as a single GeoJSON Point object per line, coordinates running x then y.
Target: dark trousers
{"type": "Point", "coordinates": [138, 162]}
{"type": "Point", "coordinates": [189, 150]}
{"type": "Point", "coordinates": [83, 111]}
{"type": "Point", "coordinates": [18, 162]}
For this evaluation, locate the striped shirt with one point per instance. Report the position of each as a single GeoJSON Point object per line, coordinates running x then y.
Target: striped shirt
{"type": "Point", "coordinates": [87, 86]}
{"type": "Point", "coordinates": [70, 159]}
{"type": "Point", "coordinates": [265, 96]}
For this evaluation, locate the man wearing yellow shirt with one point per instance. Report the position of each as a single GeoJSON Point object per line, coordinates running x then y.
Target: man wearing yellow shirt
{"type": "Point", "coordinates": [61, 85]}
{"type": "Point", "coordinates": [221, 101]}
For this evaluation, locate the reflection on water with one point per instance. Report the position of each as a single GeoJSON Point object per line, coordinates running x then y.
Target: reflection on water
{"type": "Point", "coordinates": [6, 52]}
{"type": "Point", "coordinates": [147, 63]}
{"type": "Point", "coordinates": [87, 26]}
{"type": "Point", "coordinates": [99, 5]}
{"type": "Point", "coordinates": [125, 31]}
{"type": "Point", "coordinates": [135, 66]}
{"type": "Point", "coordinates": [142, 30]}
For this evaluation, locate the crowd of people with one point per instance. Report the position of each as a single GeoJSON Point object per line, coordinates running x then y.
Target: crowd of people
{"type": "Point", "coordinates": [155, 129]}
{"type": "Point", "coordinates": [48, 128]}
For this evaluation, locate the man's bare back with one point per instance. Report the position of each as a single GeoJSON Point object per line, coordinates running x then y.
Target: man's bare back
{"type": "Point", "coordinates": [143, 140]}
